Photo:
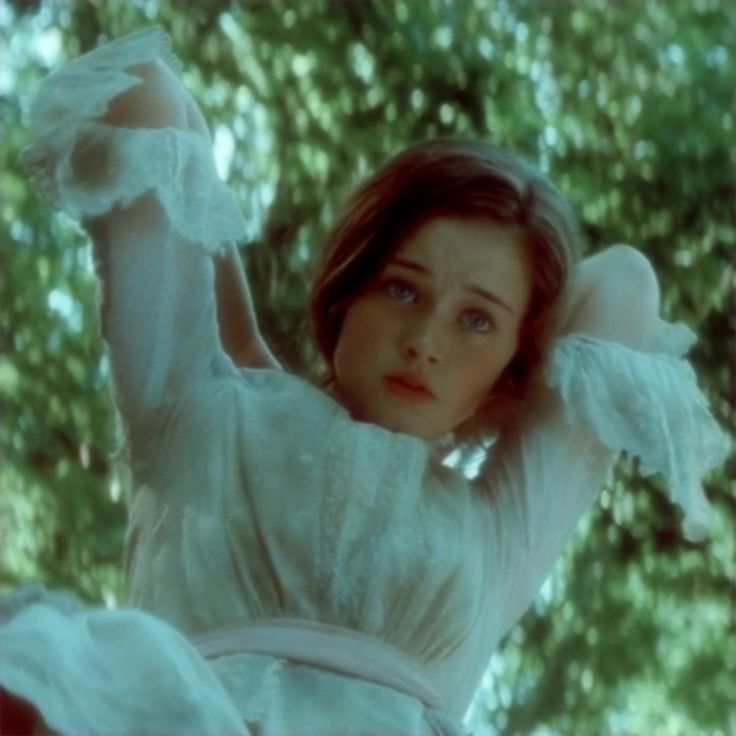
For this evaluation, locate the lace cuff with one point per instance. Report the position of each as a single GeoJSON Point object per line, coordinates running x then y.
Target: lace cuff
{"type": "Point", "coordinates": [649, 405]}
{"type": "Point", "coordinates": [86, 168]}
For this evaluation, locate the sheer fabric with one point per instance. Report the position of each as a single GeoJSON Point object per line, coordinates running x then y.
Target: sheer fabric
{"type": "Point", "coordinates": [256, 495]}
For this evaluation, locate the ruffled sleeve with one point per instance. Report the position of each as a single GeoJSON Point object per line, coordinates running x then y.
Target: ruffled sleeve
{"type": "Point", "coordinates": [175, 164]}
{"type": "Point", "coordinates": [648, 405]}
{"type": "Point", "coordinates": [600, 399]}
{"type": "Point", "coordinates": [151, 199]}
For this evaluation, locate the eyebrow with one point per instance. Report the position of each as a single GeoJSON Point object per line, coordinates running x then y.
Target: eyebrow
{"type": "Point", "coordinates": [483, 293]}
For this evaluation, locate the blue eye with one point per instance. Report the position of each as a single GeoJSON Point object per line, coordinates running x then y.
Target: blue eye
{"type": "Point", "coordinates": [400, 290]}
{"type": "Point", "coordinates": [476, 321]}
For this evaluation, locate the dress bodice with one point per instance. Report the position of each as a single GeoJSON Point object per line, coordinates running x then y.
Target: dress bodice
{"type": "Point", "coordinates": [338, 521]}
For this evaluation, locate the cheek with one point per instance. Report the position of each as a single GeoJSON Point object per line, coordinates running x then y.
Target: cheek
{"type": "Point", "coordinates": [360, 335]}
{"type": "Point", "coordinates": [344, 350]}
{"type": "Point", "coordinates": [351, 336]}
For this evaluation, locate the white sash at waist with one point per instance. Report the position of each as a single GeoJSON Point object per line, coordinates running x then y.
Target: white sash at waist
{"type": "Point", "coordinates": [330, 647]}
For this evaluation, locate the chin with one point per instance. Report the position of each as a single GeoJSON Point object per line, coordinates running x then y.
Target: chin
{"type": "Point", "coordinates": [394, 421]}
{"type": "Point", "coordinates": [407, 426]}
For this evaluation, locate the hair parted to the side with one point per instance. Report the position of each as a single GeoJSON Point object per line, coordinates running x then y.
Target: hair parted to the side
{"type": "Point", "coordinates": [450, 178]}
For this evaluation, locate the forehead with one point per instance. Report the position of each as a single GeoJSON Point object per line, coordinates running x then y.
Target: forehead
{"type": "Point", "coordinates": [457, 252]}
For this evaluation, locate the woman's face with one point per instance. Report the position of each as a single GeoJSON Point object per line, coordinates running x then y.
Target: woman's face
{"type": "Point", "coordinates": [422, 345]}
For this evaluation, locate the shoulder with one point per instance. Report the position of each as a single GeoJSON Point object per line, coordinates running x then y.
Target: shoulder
{"type": "Point", "coordinates": [615, 296]}
{"type": "Point", "coordinates": [620, 263]}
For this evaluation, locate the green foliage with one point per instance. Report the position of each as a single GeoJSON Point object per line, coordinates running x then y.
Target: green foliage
{"type": "Point", "coordinates": [625, 105]}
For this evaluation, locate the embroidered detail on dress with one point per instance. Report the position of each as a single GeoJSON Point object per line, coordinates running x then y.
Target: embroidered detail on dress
{"type": "Point", "coordinates": [371, 474]}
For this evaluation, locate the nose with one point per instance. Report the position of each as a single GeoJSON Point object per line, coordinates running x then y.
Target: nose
{"type": "Point", "coordinates": [422, 342]}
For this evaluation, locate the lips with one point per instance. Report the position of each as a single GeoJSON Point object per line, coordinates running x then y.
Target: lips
{"type": "Point", "coordinates": [408, 385]}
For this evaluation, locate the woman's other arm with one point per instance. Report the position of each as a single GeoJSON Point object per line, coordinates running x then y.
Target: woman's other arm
{"type": "Point", "coordinates": [608, 389]}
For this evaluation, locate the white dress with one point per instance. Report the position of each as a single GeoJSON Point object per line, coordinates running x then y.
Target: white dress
{"type": "Point", "coordinates": [291, 570]}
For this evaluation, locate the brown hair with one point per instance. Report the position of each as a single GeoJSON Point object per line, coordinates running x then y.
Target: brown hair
{"type": "Point", "coordinates": [449, 178]}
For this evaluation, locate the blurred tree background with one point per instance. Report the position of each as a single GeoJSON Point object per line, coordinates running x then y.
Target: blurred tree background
{"type": "Point", "coordinates": [626, 105]}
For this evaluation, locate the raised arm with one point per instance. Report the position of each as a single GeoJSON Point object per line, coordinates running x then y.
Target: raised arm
{"type": "Point", "coordinates": [608, 388]}
{"type": "Point", "coordinates": [161, 102]}
{"type": "Point", "coordinates": [121, 145]}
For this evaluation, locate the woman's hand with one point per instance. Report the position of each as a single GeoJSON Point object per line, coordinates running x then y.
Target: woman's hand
{"type": "Point", "coordinates": [614, 296]}
{"type": "Point", "coordinates": [159, 101]}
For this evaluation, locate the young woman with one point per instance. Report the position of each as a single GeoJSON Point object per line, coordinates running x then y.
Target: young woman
{"type": "Point", "coordinates": [305, 561]}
